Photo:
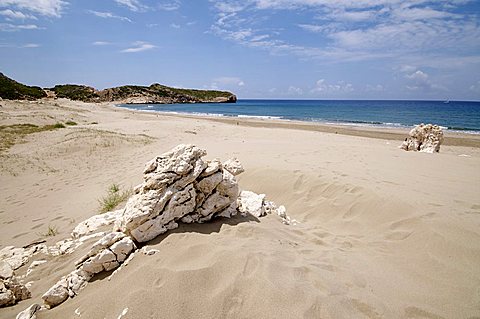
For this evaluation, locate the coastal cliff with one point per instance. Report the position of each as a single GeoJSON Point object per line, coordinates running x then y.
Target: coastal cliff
{"type": "Point", "coordinates": [128, 94]}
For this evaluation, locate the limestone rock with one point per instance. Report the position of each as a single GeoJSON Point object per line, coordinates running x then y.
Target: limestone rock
{"type": "Point", "coordinates": [251, 203]}
{"type": "Point", "coordinates": [7, 298]}
{"type": "Point", "coordinates": [178, 185]}
{"type": "Point", "coordinates": [234, 166]}
{"type": "Point", "coordinates": [95, 222]}
{"type": "Point", "coordinates": [6, 270]}
{"type": "Point", "coordinates": [425, 138]}
{"type": "Point", "coordinates": [29, 313]}
{"type": "Point", "coordinates": [12, 291]}
{"type": "Point", "coordinates": [57, 294]}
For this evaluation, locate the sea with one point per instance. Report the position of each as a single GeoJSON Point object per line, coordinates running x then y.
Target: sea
{"type": "Point", "coordinates": [451, 115]}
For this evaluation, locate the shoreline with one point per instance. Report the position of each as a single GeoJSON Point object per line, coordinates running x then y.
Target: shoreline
{"type": "Point", "coordinates": [452, 138]}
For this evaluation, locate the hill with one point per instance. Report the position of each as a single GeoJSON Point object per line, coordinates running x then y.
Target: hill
{"type": "Point", "coordinates": [130, 94]}
{"type": "Point", "coordinates": [12, 90]}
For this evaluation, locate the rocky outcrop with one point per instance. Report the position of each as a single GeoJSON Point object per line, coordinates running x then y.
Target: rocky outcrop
{"type": "Point", "coordinates": [135, 94]}
{"type": "Point", "coordinates": [178, 187]}
{"type": "Point", "coordinates": [425, 138]}
{"type": "Point", "coordinates": [12, 291]}
{"type": "Point", "coordinates": [30, 312]}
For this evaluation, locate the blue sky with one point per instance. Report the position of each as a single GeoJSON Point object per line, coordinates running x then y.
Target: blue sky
{"type": "Point", "coordinates": [297, 49]}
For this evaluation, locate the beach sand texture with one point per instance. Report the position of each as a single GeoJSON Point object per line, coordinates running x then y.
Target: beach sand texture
{"type": "Point", "coordinates": [382, 233]}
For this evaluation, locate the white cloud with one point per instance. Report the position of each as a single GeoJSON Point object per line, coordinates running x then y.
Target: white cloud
{"type": "Point", "coordinates": [321, 86]}
{"type": "Point", "coordinates": [101, 43]}
{"type": "Point", "coordinates": [30, 45]}
{"type": "Point", "coordinates": [374, 88]}
{"type": "Point", "coordinates": [23, 46]}
{"type": "Point", "coordinates": [139, 46]}
{"type": "Point", "coordinates": [475, 87]}
{"type": "Point", "coordinates": [52, 8]}
{"type": "Point", "coordinates": [7, 27]}
{"type": "Point", "coordinates": [133, 5]}
{"type": "Point", "coordinates": [10, 15]}
{"type": "Point", "coordinates": [293, 90]}
{"type": "Point", "coordinates": [108, 15]}
{"type": "Point", "coordinates": [175, 26]}
{"type": "Point", "coordinates": [226, 81]}
{"type": "Point", "coordinates": [169, 5]}
{"type": "Point", "coordinates": [420, 81]}
{"type": "Point", "coordinates": [354, 30]}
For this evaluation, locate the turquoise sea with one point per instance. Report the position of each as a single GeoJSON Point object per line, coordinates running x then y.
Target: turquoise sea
{"type": "Point", "coordinates": [452, 115]}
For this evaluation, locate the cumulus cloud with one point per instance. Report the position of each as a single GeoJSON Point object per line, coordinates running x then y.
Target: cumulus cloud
{"type": "Point", "coordinates": [226, 81]}
{"type": "Point", "coordinates": [52, 8]}
{"type": "Point", "coordinates": [420, 81]}
{"type": "Point", "coordinates": [321, 86]}
{"type": "Point", "coordinates": [109, 15]}
{"type": "Point", "coordinates": [293, 90]}
{"type": "Point", "coordinates": [475, 87]}
{"type": "Point", "coordinates": [139, 46]}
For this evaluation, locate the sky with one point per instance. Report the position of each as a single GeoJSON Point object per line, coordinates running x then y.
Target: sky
{"type": "Point", "coordinates": [297, 49]}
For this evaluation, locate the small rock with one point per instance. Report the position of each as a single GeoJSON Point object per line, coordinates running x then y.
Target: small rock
{"type": "Point", "coordinates": [6, 270]}
{"type": "Point", "coordinates": [251, 203]}
{"type": "Point", "coordinates": [234, 166]}
{"type": "Point", "coordinates": [29, 313]}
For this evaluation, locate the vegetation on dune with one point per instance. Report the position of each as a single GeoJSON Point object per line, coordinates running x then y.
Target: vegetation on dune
{"type": "Point", "coordinates": [113, 198]}
{"type": "Point", "coordinates": [12, 90]}
{"type": "Point", "coordinates": [75, 92]}
{"type": "Point", "coordinates": [51, 231]}
{"type": "Point", "coordinates": [11, 134]}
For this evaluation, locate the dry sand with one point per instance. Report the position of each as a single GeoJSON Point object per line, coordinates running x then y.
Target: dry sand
{"type": "Point", "coordinates": [383, 233]}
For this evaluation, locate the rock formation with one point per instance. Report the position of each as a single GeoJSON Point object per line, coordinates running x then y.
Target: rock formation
{"type": "Point", "coordinates": [178, 187]}
{"type": "Point", "coordinates": [11, 290]}
{"type": "Point", "coordinates": [425, 138]}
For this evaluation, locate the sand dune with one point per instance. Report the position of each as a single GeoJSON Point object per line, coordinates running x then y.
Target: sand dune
{"type": "Point", "coordinates": [382, 233]}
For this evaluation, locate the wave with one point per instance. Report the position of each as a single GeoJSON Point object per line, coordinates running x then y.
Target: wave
{"type": "Point", "coordinates": [263, 117]}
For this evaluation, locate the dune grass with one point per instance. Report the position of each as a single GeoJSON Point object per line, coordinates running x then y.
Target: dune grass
{"type": "Point", "coordinates": [15, 133]}
{"type": "Point", "coordinates": [115, 196]}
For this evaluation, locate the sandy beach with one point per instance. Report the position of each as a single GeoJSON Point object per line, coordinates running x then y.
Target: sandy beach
{"type": "Point", "coordinates": [381, 233]}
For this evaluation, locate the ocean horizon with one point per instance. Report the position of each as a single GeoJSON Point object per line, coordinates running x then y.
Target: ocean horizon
{"type": "Point", "coordinates": [462, 116]}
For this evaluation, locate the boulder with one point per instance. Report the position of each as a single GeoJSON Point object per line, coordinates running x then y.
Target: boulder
{"type": "Point", "coordinates": [12, 291]}
{"type": "Point", "coordinates": [234, 166]}
{"type": "Point", "coordinates": [6, 270]}
{"type": "Point", "coordinates": [425, 138]}
{"type": "Point", "coordinates": [29, 313]}
{"type": "Point", "coordinates": [95, 222]}
{"type": "Point", "coordinates": [178, 185]}
{"type": "Point", "coordinates": [251, 203]}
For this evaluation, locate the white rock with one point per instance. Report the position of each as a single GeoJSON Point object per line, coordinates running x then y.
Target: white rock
{"type": "Point", "coordinates": [425, 138]}
{"type": "Point", "coordinates": [57, 294]}
{"type": "Point", "coordinates": [7, 298]}
{"type": "Point", "coordinates": [6, 270]}
{"type": "Point", "coordinates": [95, 222]}
{"type": "Point", "coordinates": [251, 203]}
{"type": "Point", "coordinates": [234, 166]}
{"type": "Point", "coordinates": [212, 167]}
{"type": "Point", "coordinates": [29, 313]}
{"type": "Point", "coordinates": [123, 248]}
